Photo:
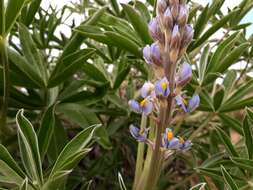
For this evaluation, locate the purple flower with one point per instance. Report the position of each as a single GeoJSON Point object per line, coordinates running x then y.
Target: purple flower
{"type": "Point", "coordinates": [184, 145]}
{"type": "Point", "coordinates": [169, 141]}
{"type": "Point", "coordinates": [190, 106]}
{"type": "Point", "coordinates": [139, 135]}
{"type": "Point", "coordinates": [162, 87]}
{"type": "Point", "coordinates": [152, 55]}
{"type": "Point", "coordinates": [145, 106]}
{"type": "Point", "coordinates": [175, 38]}
{"type": "Point", "coordinates": [147, 90]}
{"type": "Point", "coordinates": [184, 74]}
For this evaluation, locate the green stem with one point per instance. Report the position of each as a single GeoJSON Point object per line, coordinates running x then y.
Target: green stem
{"type": "Point", "coordinates": [6, 85]}
{"type": "Point", "coordinates": [151, 180]}
{"type": "Point", "coordinates": [140, 154]}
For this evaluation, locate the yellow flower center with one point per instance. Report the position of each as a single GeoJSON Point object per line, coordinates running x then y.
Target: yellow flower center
{"type": "Point", "coordinates": [185, 102]}
{"type": "Point", "coordinates": [164, 85]}
{"type": "Point", "coordinates": [170, 135]}
{"type": "Point", "coordinates": [142, 103]}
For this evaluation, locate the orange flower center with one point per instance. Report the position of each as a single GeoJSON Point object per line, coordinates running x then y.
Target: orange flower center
{"type": "Point", "coordinates": [170, 135]}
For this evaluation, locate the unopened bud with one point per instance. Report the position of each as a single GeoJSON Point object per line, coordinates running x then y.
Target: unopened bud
{"type": "Point", "coordinates": [184, 75]}
{"type": "Point", "coordinates": [175, 44]}
{"type": "Point", "coordinates": [173, 2]}
{"type": "Point", "coordinates": [183, 15]}
{"type": "Point", "coordinates": [162, 5]}
{"type": "Point", "coordinates": [155, 31]}
{"type": "Point", "coordinates": [152, 54]}
{"type": "Point", "coordinates": [168, 19]}
{"type": "Point", "coordinates": [188, 33]}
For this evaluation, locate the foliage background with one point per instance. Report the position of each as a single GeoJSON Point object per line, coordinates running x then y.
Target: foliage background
{"type": "Point", "coordinates": [66, 83]}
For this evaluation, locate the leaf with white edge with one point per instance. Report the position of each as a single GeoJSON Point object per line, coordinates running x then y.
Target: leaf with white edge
{"type": "Point", "coordinates": [121, 182]}
{"type": "Point", "coordinates": [29, 148]}
{"type": "Point", "coordinates": [75, 146]}
{"type": "Point", "coordinates": [248, 136]}
{"type": "Point", "coordinates": [200, 186]}
{"type": "Point", "coordinates": [46, 130]}
{"type": "Point", "coordinates": [24, 185]}
{"type": "Point", "coordinates": [228, 179]}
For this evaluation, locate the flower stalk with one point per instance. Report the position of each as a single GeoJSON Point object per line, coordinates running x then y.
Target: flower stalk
{"type": "Point", "coordinates": [172, 35]}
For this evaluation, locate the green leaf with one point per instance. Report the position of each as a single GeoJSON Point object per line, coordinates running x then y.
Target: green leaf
{"type": "Point", "coordinates": [200, 186]}
{"type": "Point", "coordinates": [228, 179]}
{"type": "Point", "coordinates": [26, 68]}
{"type": "Point", "coordinates": [225, 139]}
{"type": "Point", "coordinates": [238, 105]}
{"type": "Point", "coordinates": [138, 23]}
{"type": "Point", "coordinates": [232, 57]}
{"type": "Point", "coordinates": [242, 91]}
{"type": "Point", "coordinates": [121, 182]}
{"type": "Point", "coordinates": [215, 27]}
{"type": "Point", "coordinates": [243, 163]}
{"type": "Point", "coordinates": [201, 22]}
{"type": "Point", "coordinates": [222, 50]}
{"type": "Point", "coordinates": [29, 148]}
{"type": "Point", "coordinates": [8, 160]}
{"type": "Point", "coordinates": [70, 65]}
{"type": "Point", "coordinates": [24, 185]}
{"type": "Point", "coordinates": [143, 10]}
{"type": "Point", "coordinates": [229, 82]}
{"type": "Point", "coordinates": [124, 43]}
{"type": "Point", "coordinates": [203, 63]}
{"type": "Point", "coordinates": [10, 174]}
{"type": "Point", "coordinates": [30, 12]}
{"type": "Point", "coordinates": [46, 130]}
{"type": "Point", "coordinates": [122, 73]}
{"type": "Point", "coordinates": [248, 137]}
{"type": "Point", "coordinates": [31, 52]}
{"type": "Point", "coordinates": [218, 98]}
{"type": "Point", "coordinates": [103, 138]}
{"type": "Point", "coordinates": [231, 122]}
{"type": "Point", "coordinates": [13, 10]}
{"type": "Point", "coordinates": [2, 18]}
{"type": "Point", "coordinates": [75, 147]}
{"type": "Point", "coordinates": [94, 72]}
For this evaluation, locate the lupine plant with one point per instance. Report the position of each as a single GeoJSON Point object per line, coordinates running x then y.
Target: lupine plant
{"type": "Point", "coordinates": [143, 95]}
{"type": "Point", "coordinates": [171, 35]}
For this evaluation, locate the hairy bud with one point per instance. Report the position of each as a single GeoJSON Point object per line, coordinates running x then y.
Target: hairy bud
{"type": "Point", "coordinates": [152, 54]}
{"type": "Point", "coordinates": [188, 33]}
{"type": "Point", "coordinates": [162, 5]}
{"type": "Point", "coordinates": [168, 19]}
{"type": "Point", "coordinates": [183, 15]}
{"type": "Point", "coordinates": [155, 30]}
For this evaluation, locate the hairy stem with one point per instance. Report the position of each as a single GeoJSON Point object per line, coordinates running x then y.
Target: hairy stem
{"type": "Point", "coordinates": [140, 154]}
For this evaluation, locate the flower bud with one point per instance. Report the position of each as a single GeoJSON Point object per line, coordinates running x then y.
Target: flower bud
{"type": "Point", "coordinates": [183, 15]}
{"type": "Point", "coordinates": [162, 5]}
{"type": "Point", "coordinates": [152, 54]}
{"type": "Point", "coordinates": [174, 44]}
{"type": "Point", "coordinates": [174, 5]}
{"type": "Point", "coordinates": [139, 135]}
{"type": "Point", "coordinates": [186, 39]}
{"type": "Point", "coordinates": [168, 19]}
{"type": "Point", "coordinates": [147, 90]}
{"type": "Point", "coordinates": [155, 30]}
{"type": "Point", "coordinates": [193, 103]}
{"type": "Point", "coordinates": [187, 36]}
{"type": "Point", "coordinates": [184, 75]}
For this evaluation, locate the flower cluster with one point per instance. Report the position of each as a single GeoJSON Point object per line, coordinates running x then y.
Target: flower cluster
{"type": "Point", "coordinates": [171, 35]}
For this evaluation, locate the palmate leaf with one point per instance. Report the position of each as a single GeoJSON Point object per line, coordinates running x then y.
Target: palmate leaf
{"type": "Point", "coordinates": [29, 148]}
{"type": "Point", "coordinates": [138, 23]}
